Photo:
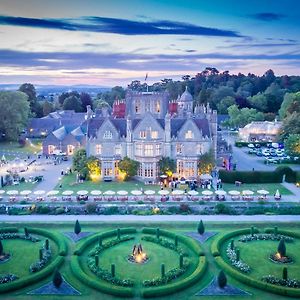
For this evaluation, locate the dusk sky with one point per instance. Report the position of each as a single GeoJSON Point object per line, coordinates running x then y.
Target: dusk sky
{"type": "Point", "coordinates": [114, 42]}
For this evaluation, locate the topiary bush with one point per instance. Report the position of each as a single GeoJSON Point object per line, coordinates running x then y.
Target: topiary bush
{"type": "Point", "coordinates": [57, 279]}
{"type": "Point", "coordinates": [201, 228]}
{"type": "Point", "coordinates": [77, 227]}
{"type": "Point", "coordinates": [222, 279]}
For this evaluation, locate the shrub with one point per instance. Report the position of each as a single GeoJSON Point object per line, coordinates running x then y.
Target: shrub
{"type": "Point", "coordinates": [162, 270]}
{"type": "Point", "coordinates": [201, 228]}
{"type": "Point", "coordinates": [285, 273]}
{"type": "Point", "coordinates": [1, 248]}
{"type": "Point", "coordinates": [222, 280]}
{"type": "Point", "coordinates": [45, 256]}
{"type": "Point", "coordinates": [291, 283]}
{"type": "Point", "coordinates": [281, 248]}
{"type": "Point", "coordinates": [77, 227]}
{"type": "Point", "coordinates": [234, 258]}
{"type": "Point", "coordinates": [91, 208]}
{"type": "Point", "coordinates": [57, 279]}
{"type": "Point", "coordinates": [8, 278]}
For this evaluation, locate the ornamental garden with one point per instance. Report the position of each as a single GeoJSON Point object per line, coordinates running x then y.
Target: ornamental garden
{"type": "Point", "coordinates": [159, 260]}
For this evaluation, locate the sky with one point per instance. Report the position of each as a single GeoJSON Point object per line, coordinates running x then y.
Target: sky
{"type": "Point", "coordinates": [112, 42]}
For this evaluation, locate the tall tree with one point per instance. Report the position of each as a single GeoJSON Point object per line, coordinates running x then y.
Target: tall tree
{"type": "Point", "coordinates": [129, 167]}
{"type": "Point", "coordinates": [86, 100]}
{"type": "Point", "coordinates": [47, 108]}
{"type": "Point", "coordinates": [72, 103]}
{"type": "Point", "coordinates": [80, 162]}
{"type": "Point", "coordinates": [167, 165]}
{"type": "Point", "coordinates": [14, 114]}
{"type": "Point", "coordinates": [292, 144]}
{"type": "Point", "coordinates": [206, 162]}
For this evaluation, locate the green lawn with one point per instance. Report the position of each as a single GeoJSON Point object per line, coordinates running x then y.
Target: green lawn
{"type": "Point", "coordinates": [255, 253]}
{"type": "Point", "coordinates": [20, 187]}
{"type": "Point", "coordinates": [271, 187]}
{"type": "Point", "coordinates": [69, 183]}
{"type": "Point", "coordinates": [31, 146]}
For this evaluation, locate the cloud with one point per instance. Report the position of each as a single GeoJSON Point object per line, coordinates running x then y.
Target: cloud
{"type": "Point", "coordinates": [126, 61]}
{"type": "Point", "coordinates": [118, 26]}
{"type": "Point", "coordinates": [267, 16]}
{"type": "Point", "coordinates": [260, 45]}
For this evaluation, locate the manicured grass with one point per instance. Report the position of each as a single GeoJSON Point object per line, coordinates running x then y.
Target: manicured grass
{"type": "Point", "coordinates": [23, 254]}
{"type": "Point", "coordinates": [69, 183]}
{"type": "Point", "coordinates": [271, 187]}
{"type": "Point", "coordinates": [20, 187]}
{"type": "Point", "coordinates": [30, 147]}
{"type": "Point", "coordinates": [179, 227]}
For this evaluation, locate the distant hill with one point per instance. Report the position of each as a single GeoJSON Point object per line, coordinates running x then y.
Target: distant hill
{"type": "Point", "coordinates": [48, 89]}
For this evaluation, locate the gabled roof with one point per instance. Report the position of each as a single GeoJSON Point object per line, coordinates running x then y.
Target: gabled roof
{"type": "Point", "coordinates": [202, 124]}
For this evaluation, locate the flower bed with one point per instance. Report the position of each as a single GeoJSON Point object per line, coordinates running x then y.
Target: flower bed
{"type": "Point", "coordinates": [8, 278]}
{"type": "Point", "coordinates": [40, 264]}
{"type": "Point", "coordinates": [16, 235]}
{"type": "Point", "coordinates": [169, 276]}
{"type": "Point", "coordinates": [265, 237]}
{"type": "Point", "coordinates": [292, 283]}
{"type": "Point", "coordinates": [232, 256]}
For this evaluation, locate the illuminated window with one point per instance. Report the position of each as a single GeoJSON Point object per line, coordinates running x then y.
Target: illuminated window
{"type": "Point", "coordinates": [143, 134]}
{"type": "Point", "coordinates": [51, 149]}
{"type": "Point", "coordinates": [116, 168]}
{"type": "Point", "coordinates": [140, 171]}
{"type": "Point", "coordinates": [118, 150]}
{"type": "Point", "coordinates": [70, 149]}
{"type": "Point", "coordinates": [138, 149]}
{"type": "Point", "coordinates": [180, 167]}
{"type": "Point", "coordinates": [98, 149]}
{"type": "Point", "coordinates": [179, 148]}
{"type": "Point", "coordinates": [107, 168]}
{"type": "Point", "coordinates": [157, 149]}
{"type": "Point", "coordinates": [189, 169]}
{"type": "Point", "coordinates": [157, 106]}
{"type": "Point", "coordinates": [148, 106]}
{"type": "Point", "coordinates": [107, 135]}
{"type": "Point", "coordinates": [148, 150]}
{"type": "Point", "coordinates": [138, 106]}
{"type": "Point", "coordinates": [148, 170]}
{"type": "Point", "coordinates": [189, 134]}
{"type": "Point", "coordinates": [154, 134]}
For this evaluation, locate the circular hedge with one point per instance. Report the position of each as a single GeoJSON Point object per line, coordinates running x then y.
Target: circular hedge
{"type": "Point", "coordinates": [219, 242]}
{"type": "Point", "coordinates": [146, 292]}
{"type": "Point", "coordinates": [43, 273]}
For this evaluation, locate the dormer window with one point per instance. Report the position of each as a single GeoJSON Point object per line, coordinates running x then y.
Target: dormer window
{"type": "Point", "coordinates": [154, 134]}
{"type": "Point", "coordinates": [189, 134]}
{"type": "Point", "coordinates": [157, 106]}
{"type": "Point", "coordinates": [107, 135]}
{"type": "Point", "coordinates": [143, 134]}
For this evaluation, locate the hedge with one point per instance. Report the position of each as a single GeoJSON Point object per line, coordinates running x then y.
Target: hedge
{"type": "Point", "coordinates": [180, 285]}
{"type": "Point", "coordinates": [189, 242]}
{"type": "Point", "coordinates": [258, 176]}
{"type": "Point", "coordinates": [56, 237]}
{"type": "Point", "coordinates": [34, 278]}
{"type": "Point", "coordinates": [291, 292]}
{"type": "Point", "coordinates": [216, 244]}
{"type": "Point", "coordinates": [96, 283]}
{"type": "Point", "coordinates": [215, 248]}
{"type": "Point", "coordinates": [90, 240]}
{"type": "Point", "coordinates": [9, 230]}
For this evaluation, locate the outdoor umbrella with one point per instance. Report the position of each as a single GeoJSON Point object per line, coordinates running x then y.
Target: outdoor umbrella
{"type": "Point", "coordinates": [207, 193]}
{"type": "Point", "coordinates": [193, 193]}
{"type": "Point", "coordinates": [82, 193]}
{"type": "Point", "coordinates": [109, 193]}
{"type": "Point", "coordinates": [122, 193]}
{"type": "Point", "coordinates": [263, 192]}
{"type": "Point", "coordinates": [52, 193]}
{"type": "Point", "coordinates": [136, 193]}
{"type": "Point", "coordinates": [178, 192]}
{"type": "Point", "coordinates": [205, 177]}
{"type": "Point", "coordinates": [25, 192]}
{"type": "Point", "coordinates": [163, 192]}
{"type": "Point", "coordinates": [12, 192]}
{"type": "Point", "coordinates": [39, 192]}
{"type": "Point", "coordinates": [67, 193]}
{"type": "Point", "coordinates": [277, 194]}
{"type": "Point", "coordinates": [220, 192]}
{"type": "Point", "coordinates": [2, 192]}
{"type": "Point", "coordinates": [234, 193]}
{"type": "Point", "coordinates": [149, 192]}
{"type": "Point", "coordinates": [247, 193]}
{"type": "Point", "coordinates": [96, 193]}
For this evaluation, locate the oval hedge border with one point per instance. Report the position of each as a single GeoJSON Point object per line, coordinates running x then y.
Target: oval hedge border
{"type": "Point", "coordinates": [33, 278]}
{"type": "Point", "coordinates": [215, 249]}
{"type": "Point", "coordinates": [185, 282]}
{"type": "Point", "coordinates": [145, 292]}
{"type": "Point", "coordinates": [97, 284]}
